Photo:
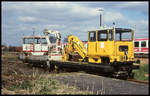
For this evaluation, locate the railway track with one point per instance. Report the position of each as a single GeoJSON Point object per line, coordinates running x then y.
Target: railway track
{"type": "Point", "coordinates": [142, 56]}
{"type": "Point", "coordinates": [132, 80]}
{"type": "Point", "coordinates": [139, 81]}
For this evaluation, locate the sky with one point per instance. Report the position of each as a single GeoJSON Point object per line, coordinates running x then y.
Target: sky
{"type": "Point", "coordinates": [70, 18]}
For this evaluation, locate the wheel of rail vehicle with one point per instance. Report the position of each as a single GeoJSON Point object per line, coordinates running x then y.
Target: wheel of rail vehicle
{"type": "Point", "coordinates": [50, 66]}
{"type": "Point", "coordinates": [123, 76]}
{"type": "Point", "coordinates": [131, 75]}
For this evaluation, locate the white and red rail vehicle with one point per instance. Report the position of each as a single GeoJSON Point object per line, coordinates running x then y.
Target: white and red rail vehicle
{"type": "Point", "coordinates": [35, 45]}
{"type": "Point", "coordinates": [141, 47]}
{"type": "Point", "coordinates": [41, 47]}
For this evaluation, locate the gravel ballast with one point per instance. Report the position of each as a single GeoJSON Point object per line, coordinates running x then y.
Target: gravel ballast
{"type": "Point", "coordinates": [102, 85]}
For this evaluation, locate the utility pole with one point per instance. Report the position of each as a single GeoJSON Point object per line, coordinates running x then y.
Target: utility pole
{"type": "Point", "coordinates": [33, 31]}
{"type": "Point", "coordinates": [100, 10]}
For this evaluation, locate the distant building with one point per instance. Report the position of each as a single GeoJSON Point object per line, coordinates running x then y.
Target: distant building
{"type": "Point", "coordinates": [18, 49]}
{"type": "Point", "coordinates": [3, 47]}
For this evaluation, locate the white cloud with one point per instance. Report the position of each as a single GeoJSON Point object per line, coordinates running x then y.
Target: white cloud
{"type": "Point", "coordinates": [32, 5]}
{"type": "Point", "coordinates": [68, 17]}
{"type": "Point", "coordinates": [27, 19]}
{"type": "Point", "coordinates": [141, 24]}
{"type": "Point", "coordinates": [141, 28]}
{"type": "Point", "coordinates": [83, 10]}
{"type": "Point", "coordinates": [131, 4]}
{"type": "Point", "coordinates": [110, 17]}
{"type": "Point", "coordinates": [54, 26]}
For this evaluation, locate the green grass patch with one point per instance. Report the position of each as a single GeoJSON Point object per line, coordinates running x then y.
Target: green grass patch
{"type": "Point", "coordinates": [26, 84]}
{"type": "Point", "coordinates": [9, 55]}
{"type": "Point", "coordinates": [140, 74]}
{"type": "Point", "coordinates": [13, 88]}
{"type": "Point", "coordinates": [44, 85]}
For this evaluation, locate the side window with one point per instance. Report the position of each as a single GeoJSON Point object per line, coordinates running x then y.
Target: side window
{"type": "Point", "coordinates": [143, 44]}
{"type": "Point", "coordinates": [117, 37]}
{"type": "Point", "coordinates": [52, 39]}
{"type": "Point", "coordinates": [37, 41]}
{"type": "Point", "coordinates": [27, 40]}
{"type": "Point", "coordinates": [30, 41]}
{"type": "Point", "coordinates": [102, 35]}
{"type": "Point", "coordinates": [43, 41]}
{"type": "Point", "coordinates": [136, 44]}
{"type": "Point", "coordinates": [92, 36]}
{"type": "Point", "coordinates": [24, 41]}
{"type": "Point", "coordinates": [110, 35]}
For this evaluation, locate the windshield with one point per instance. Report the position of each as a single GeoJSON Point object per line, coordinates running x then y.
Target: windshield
{"type": "Point", "coordinates": [102, 35]}
{"type": "Point", "coordinates": [27, 40]}
{"type": "Point", "coordinates": [34, 40]}
{"type": "Point", "coordinates": [122, 35]}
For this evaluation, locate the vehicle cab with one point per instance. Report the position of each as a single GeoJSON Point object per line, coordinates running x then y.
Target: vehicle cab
{"type": "Point", "coordinates": [107, 45]}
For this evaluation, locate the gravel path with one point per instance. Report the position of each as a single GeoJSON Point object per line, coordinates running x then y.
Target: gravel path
{"type": "Point", "coordinates": [102, 85]}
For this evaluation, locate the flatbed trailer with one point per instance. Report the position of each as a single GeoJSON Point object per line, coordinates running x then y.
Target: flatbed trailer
{"type": "Point", "coordinates": [72, 65]}
{"type": "Point", "coordinates": [51, 65]}
{"type": "Point", "coordinates": [82, 66]}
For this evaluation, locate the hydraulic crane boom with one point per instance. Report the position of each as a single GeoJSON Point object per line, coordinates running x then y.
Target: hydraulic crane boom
{"type": "Point", "coordinates": [75, 45]}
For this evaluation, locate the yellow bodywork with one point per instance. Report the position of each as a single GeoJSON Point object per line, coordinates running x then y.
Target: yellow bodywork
{"type": "Point", "coordinates": [110, 50]}
{"type": "Point", "coordinates": [100, 51]}
{"type": "Point", "coordinates": [75, 46]}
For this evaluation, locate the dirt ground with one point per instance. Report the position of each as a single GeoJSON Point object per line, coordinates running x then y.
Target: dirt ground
{"type": "Point", "coordinates": [143, 60]}
{"type": "Point", "coordinates": [14, 71]}
{"type": "Point", "coordinates": [102, 85]}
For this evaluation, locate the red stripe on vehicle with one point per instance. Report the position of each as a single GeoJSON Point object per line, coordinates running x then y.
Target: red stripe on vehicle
{"type": "Point", "coordinates": [55, 55]}
{"type": "Point", "coordinates": [35, 51]}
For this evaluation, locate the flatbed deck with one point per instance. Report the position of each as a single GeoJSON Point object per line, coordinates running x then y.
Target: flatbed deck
{"type": "Point", "coordinates": [83, 66]}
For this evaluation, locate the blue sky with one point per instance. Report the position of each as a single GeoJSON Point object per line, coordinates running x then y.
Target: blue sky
{"type": "Point", "coordinates": [76, 18]}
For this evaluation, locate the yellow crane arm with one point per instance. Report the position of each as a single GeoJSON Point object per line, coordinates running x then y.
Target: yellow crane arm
{"type": "Point", "coordinates": [75, 45]}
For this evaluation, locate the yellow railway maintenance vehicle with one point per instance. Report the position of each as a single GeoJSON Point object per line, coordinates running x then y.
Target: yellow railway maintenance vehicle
{"type": "Point", "coordinates": [110, 48]}
{"type": "Point", "coordinates": [109, 51]}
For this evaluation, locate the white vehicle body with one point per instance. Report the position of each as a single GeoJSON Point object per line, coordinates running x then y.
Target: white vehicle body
{"type": "Point", "coordinates": [41, 48]}
{"type": "Point", "coordinates": [36, 45]}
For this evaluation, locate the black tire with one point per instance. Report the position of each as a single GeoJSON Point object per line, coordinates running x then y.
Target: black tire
{"type": "Point", "coordinates": [131, 75]}
{"type": "Point", "coordinates": [52, 67]}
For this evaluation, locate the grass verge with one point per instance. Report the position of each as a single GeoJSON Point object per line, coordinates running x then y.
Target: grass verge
{"type": "Point", "coordinates": [142, 73]}
{"type": "Point", "coordinates": [42, 84]}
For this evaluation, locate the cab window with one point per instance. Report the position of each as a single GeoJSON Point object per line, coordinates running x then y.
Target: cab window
{"type": "Point", "coordinates": [102, 35]}
{"type": "Point", "coordinates": [36, 40]}
{"type": "Point", "coordinates": [143, 44]}
{"type": "Point", "coordinates": [43, 41]}
{"type": "Point", "coordinates": [27, 41]}
{"type": "Point", "coordinates": [92, 36]}
{"type": "Point", "coordinates": [123, 36]}
{"type": "Point", "coordinates": [110, 35]}
{"type": "Point", "coordinates": [136, 44]}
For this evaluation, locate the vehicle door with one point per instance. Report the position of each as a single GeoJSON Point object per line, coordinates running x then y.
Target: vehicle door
{"type": "Point", "coordinates": [92, 49]}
